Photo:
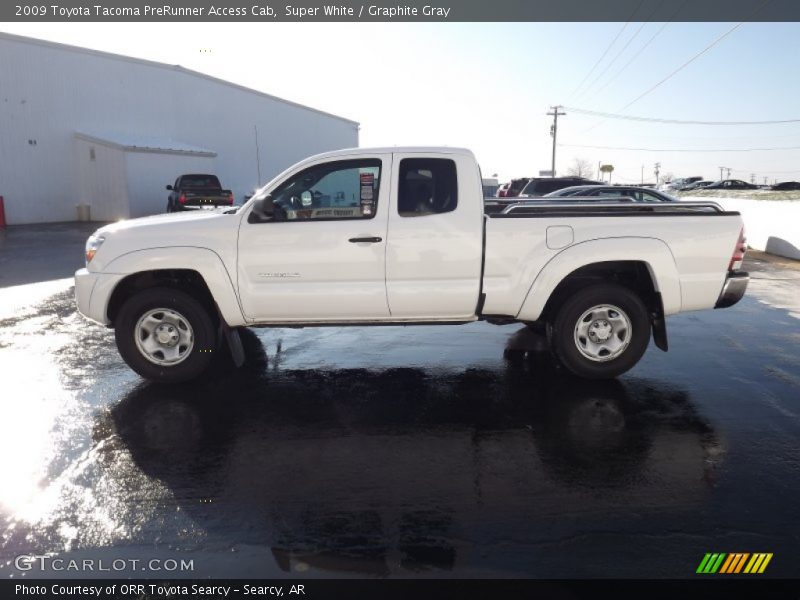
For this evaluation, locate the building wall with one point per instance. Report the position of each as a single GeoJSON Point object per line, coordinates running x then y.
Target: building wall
{"type": "Point", "coordinates": [101, 183]}
{"type": "Point", "coordinates": [49, 92]}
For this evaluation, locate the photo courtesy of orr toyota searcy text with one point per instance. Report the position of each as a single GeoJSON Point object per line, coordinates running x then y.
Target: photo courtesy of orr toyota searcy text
{"type": "Point", "coordinates": [159, 590]}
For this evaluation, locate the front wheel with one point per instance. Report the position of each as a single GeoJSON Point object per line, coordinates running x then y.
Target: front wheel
{"type": "Point", "coordinates": [165, 335]}
{"type": "Point", "coordinates": [601, 331]}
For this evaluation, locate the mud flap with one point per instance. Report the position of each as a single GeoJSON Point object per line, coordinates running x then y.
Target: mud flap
{"type": "Point", "coordinates": [660, 331]}
{"type": "Point", "coordinates": [235, 344]}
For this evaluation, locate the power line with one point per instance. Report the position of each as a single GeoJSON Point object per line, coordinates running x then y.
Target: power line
{"type": "Point", "coordinates": [686, 64]}
{"type": "Point", "coordinates": [617, 55]}
{"type": "Point", "coordinates": [646, 44]}
{"type": "Point", "coordinates": [679, 149]}
{"type": "Point", "coordinates": [599, 60]}
{"type": "Point", "coordinates": [605, 115]}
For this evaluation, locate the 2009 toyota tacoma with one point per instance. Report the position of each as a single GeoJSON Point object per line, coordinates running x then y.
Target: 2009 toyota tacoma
{"type": "Point", "coordinates": [399, 236]}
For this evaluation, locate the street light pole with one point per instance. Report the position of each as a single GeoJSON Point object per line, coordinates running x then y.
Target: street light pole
{"type": "Point", "coordinates": [554, 132]}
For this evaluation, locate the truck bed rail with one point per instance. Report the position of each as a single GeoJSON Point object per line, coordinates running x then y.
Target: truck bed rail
{"type": "Point", "coordinates": [586, 207]}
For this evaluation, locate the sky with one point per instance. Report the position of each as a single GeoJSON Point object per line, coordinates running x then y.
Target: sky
{"type": "Point", "coordinates": [488, 86]}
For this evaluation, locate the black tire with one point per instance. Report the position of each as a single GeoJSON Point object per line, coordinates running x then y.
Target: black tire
{"type": "Point", "coordinates": [566, 343]}
{"type": "Point", "coordinates": [204, 339]}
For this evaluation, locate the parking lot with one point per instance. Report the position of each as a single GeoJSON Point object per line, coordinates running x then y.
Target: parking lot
{"type": "Point", "coordinates": [396, 451]}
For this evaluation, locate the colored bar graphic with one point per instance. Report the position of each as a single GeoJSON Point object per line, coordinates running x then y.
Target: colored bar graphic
{"type": "Point", "coordinates": [703, 563]}
{"type": "Point", "coordinates": [731, 560]}
{"type": "Point", "coordinates": [720, 562]}
{"type": "Point", "coordinates": [765, 563]}
{"type": "Point", "coordinates": [717, 564]}
{"type": "Point", "coordinates": [741, 562]}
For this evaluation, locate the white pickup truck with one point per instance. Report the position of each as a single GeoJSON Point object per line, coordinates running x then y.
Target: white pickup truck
{"type": "Point", "coordinates": [399, 236]}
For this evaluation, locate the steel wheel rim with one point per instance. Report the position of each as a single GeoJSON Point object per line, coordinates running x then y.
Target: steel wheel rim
{"type": "Point", "coordinates": [164, 336]}
{"type": "Point", "coordinates": [603, 333]}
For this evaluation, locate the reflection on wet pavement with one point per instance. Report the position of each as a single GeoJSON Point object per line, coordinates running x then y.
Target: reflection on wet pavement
{"type": "Point", "coordinates": [403, 452]}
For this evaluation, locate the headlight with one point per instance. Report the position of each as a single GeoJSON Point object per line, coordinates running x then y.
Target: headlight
{"type": "Point", "coordinates": [92, 245]}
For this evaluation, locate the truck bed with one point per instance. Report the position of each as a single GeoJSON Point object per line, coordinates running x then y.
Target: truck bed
{"type": "Point", "coordinates": [690, 242]}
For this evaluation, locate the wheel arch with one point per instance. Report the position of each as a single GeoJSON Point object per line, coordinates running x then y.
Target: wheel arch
{"type": "Point", "coordinates": [645, 265]}
{"type": "Point", "coordinates": [198, 270]}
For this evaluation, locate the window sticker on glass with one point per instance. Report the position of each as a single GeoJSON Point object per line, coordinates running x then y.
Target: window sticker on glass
{"type": "Point", "coordinates": [367, 181]}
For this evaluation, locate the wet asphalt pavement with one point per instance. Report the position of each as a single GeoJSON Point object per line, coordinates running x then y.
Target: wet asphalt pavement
{"type": "Point", "coordinates": [404, 451]}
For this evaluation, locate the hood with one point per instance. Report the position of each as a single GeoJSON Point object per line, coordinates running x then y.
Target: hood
{"type": "Point", "coordinates": [214, 230]}
{"type": "Point", "coordinates": [170, 219]}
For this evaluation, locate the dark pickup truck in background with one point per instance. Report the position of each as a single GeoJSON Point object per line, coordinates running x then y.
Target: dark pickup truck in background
{"type": "Point", "coordinates": [197, 191]}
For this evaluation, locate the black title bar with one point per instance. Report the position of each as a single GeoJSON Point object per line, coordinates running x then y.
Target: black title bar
{"type": "Point", "coordinates": [394, 589]}
{"type": "Point", "coordinates": [402, 10]}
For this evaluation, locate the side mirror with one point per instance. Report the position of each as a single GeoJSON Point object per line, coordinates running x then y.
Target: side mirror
{"type": "Point", "coordinates": [264, 207]}
{"type": "Point", "coordinates": [169, 187]}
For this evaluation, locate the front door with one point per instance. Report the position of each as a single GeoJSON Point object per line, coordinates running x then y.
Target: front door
{"type": "Point", "coordinates": [320, 254]}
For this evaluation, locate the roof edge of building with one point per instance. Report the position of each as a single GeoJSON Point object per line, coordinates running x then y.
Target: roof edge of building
{"type": "Point", "coordinates": [176, 68]}
{"type": "Point", "coordinates": [154, 149]}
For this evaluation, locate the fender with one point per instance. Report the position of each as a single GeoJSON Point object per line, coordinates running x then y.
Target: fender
{"type": "Point", "coordinates": [654, 252]}
{"type": "Point", "coordinates": [204, 261]}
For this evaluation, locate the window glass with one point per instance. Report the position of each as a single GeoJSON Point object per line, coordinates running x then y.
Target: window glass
{"type": "Point", "coordinates": [647, 197]}
{"type": "Point", "coordinates": [427, 186]}
{"type": "Point", "coordinates": [335, 190]}
{"type": "Point", "coordinates": [199, 181]}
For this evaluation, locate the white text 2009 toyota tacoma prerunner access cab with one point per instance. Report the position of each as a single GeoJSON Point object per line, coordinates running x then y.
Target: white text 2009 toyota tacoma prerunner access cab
{"type": "Point", "coordinates": [399, 236]}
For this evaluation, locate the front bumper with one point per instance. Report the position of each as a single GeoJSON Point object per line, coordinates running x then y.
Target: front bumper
{"type": "Point", "coordinates": [733, 289]}
{"type": "Point", "coordinates": [92, 293]}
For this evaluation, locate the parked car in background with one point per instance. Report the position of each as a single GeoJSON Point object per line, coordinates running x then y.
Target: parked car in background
{"type": "Point", "coordinates": [786, 186]}
{"type": "Point", "coordinates": [677, 184]}
{"type": "Point", "coordinates": [731, 184]}
{"type": "Point", "coordinates": [540, 186]}
{"type": "Point", "coordinates": [197, 191]}
{"type": "Point", "coordinates": [697, 185]}
{"type": "Point", "coordinates": [637, 193]}
{"type": "Point", "coordinates": [513, 188]}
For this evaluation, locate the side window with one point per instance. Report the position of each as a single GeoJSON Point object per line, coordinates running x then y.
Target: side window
{"type": "Point", "coordinates": [346, 189]}
{"type": "Point", "coordinates": [649, 197]}
{"type": "Point", "coordinates": [427, 186]}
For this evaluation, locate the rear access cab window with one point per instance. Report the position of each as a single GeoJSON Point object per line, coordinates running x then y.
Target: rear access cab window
{"type": "Point", "coordinates": [427, 186]}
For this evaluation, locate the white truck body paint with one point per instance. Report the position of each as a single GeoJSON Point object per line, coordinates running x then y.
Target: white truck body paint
{"type": "Point", "coordinates": [424, 269]}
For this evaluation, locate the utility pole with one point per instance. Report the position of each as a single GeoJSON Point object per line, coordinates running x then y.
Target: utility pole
{"type": "Point", "coordinates": [554, 132]}
{"type": "Point", "coordinates": [752, 177]}
{"type": "Point", "coordinates": [258, 157]}
{"type": "Point", "coordinates": [657, 170]}
{"type": "Point", "coordinates": [765, 181]}
{"type": "Point", "coordinates": [729, 172]}
{"type": "Point", "coordinates": [642, 174]}
{"type": "Point", "coordinates": [721, 169]}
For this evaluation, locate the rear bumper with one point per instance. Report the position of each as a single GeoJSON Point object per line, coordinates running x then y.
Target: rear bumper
{"type": "Point", "coordinates": [733, 289]}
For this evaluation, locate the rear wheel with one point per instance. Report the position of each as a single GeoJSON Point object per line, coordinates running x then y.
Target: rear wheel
{"type": "Point", "coordinates": [601, 331]}
{"type": "Point", "coordinates": [165, 335]}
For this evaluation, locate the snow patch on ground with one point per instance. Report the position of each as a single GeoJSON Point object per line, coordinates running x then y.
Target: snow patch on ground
{"type": "Point", "coordinates": [771, 225]}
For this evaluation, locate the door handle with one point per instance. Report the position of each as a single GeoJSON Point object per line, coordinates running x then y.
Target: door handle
{"type": "Point", "coordinates": [368, 240]}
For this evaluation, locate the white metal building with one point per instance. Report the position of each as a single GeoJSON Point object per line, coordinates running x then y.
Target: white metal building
{"type": "Point", "coordinates": [79, 126]}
